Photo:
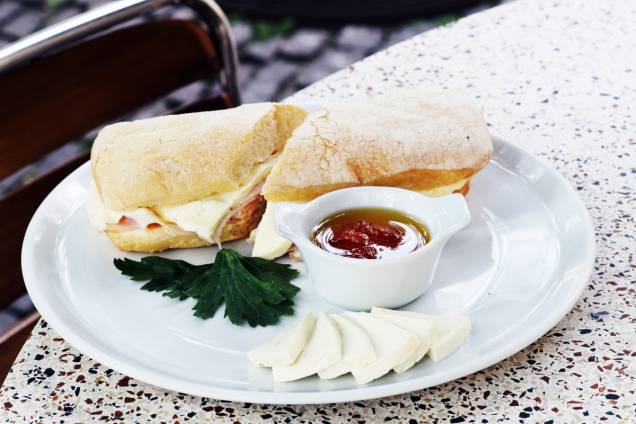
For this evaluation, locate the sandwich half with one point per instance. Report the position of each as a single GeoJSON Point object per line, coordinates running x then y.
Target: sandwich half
{"type": "Point", "coordinates": [186, 180]}
{"type": "Point", "coordinates": [423, 139]}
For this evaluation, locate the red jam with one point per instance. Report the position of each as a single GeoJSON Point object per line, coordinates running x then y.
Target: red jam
{"type": "Point", "coordinates": [370, 234]}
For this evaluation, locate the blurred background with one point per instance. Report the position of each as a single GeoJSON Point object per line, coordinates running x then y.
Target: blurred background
{"type": "Point", "coordinates": [283, 46]}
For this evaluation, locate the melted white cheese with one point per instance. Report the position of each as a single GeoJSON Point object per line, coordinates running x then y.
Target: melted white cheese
{"type": "Point", "coordinates": [200, 216]}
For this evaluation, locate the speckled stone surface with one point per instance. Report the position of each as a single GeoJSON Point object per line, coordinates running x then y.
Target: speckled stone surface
{"type": "Point", "coordinates": [558, 78]}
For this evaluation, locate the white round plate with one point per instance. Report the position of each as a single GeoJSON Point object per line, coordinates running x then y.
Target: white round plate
{"type": "Point", "coordinates": [515, 272]}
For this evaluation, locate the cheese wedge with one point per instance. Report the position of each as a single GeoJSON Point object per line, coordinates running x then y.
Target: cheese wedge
{"type": "Point", "coordinates": [267, 243]}
{"type": "Point", "coordinates": [452, 330]}
{"type": "Point", "coordinates": [285, 348]}
{"type": "Point", "coordinates": [357, 349]}
{"type": "Point", "coordinates": [393, 346]}
{"type": "Point", "coordinates": [203, 216]}
{"type": "Point", "coordinates": [322, 351]}
{"type": "Point", "coordinates": [425, 330]}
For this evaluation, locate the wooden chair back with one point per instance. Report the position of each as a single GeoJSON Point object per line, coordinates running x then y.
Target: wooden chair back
{"type": "Point", "coordinates": [63, 95]}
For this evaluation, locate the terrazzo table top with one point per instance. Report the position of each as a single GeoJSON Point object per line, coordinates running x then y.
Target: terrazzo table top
{"type": "Point", "coordinates": [558, 78]}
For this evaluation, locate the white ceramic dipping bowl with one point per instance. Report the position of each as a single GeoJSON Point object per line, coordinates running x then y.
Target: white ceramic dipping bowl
{"type": "Point", "coordinates": [360, 284]}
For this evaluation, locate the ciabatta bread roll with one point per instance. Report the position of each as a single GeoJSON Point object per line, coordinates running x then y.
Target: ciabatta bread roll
{"type": "Point", "coordinates": [421, 139]}
{"type": "Point", "coordinates": [186, 180]}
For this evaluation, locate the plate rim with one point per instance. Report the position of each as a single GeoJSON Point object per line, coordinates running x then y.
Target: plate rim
{"type": "Point", "coordinates": [169, 382]}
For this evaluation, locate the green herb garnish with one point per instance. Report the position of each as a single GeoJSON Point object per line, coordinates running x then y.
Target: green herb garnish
{"type": "Point", "coordinates": [254, 290]}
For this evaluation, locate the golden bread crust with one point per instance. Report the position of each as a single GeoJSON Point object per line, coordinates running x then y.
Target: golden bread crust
{"type": "Point", "coordinates": [176, 159]}
{"type": "Point", "coordinates": [158, 239]}
{"type": "Point", "coordinates": [417, 138]}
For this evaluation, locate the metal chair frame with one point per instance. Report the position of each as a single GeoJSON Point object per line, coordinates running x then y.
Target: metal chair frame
{"type": "Point", "coordinates": [101, 18]}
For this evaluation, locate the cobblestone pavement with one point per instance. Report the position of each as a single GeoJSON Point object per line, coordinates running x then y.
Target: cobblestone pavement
{"type": "Point", "coordinates": [276, 59]}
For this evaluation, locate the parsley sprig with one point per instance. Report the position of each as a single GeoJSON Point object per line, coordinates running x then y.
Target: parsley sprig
{"type": "Point", "coordinates": [254, 290]}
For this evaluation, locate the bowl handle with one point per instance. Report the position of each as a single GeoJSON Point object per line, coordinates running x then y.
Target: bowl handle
{"type": "Point", "coordinates": [454, 213]}
{"type": "Point", "coordinates": [287, 220]}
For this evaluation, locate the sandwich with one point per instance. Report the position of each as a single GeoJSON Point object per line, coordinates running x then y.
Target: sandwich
{"type": "Point", "coordinates": [428, 140]}
{"type": "Point", "coordinates": [186, 180]}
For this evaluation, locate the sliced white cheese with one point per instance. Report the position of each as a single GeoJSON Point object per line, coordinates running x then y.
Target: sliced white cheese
{"type": "Point", "coordinates": [202, 216]}
{"type": "Point", "coordinates": [444, 190]}
{"type": "Point", "coordinates": [267, 243]}
{"type": "Point", "coordinates": [425, 330]}
{"type": "Point", "coordinates": [357, 349]}
{"type": "Point", "coordinates": [323, 350]}
{"type": "Point", "coordinates": [285, 348]}
{"type": "Point", "coordinates": [452, 330]}
{"type": "Point", "coordinates": [392, 344]}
